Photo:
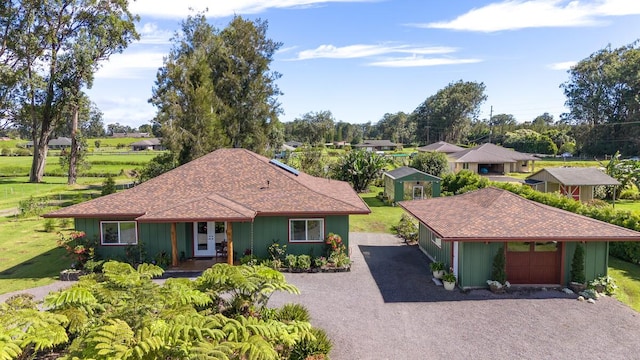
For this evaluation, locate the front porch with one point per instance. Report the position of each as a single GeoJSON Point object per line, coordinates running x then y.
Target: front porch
{"type": "Point", "coordinates": [192, 266]}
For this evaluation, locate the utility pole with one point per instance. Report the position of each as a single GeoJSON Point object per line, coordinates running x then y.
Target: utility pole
{"type": "Point", "coordinates": [490, 123]}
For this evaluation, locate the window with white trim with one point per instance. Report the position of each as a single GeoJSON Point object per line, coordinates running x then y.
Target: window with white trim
{"type": "Point", "coordinates": [436, 240]}
{"type": "Point", "coordinates": [465, 166]}
{"type": "Point", "coordinates": [118, 233]}
{"type": "Point", "coordinates": [301, 230]}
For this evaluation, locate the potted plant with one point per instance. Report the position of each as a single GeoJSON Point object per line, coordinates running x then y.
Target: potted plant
{"type": "Point", "coordinates": [449, 280]}
{"type": "Point", "coordinates": [577, 283]}
{"type": "Point", "coordinates": [437, 268]}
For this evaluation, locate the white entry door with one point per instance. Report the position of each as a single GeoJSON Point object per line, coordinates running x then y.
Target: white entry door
{"type": "Point", "coordinates": [204, 240]}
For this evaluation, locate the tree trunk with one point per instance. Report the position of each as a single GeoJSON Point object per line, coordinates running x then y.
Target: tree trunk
{"type": "Point", "coordinates": [40, 149]}
{"type": "Point", "coordinates": [73, 156]}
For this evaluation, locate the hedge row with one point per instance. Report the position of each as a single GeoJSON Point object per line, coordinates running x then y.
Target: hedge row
{"type": "Point", "coordinates": [628, 251]}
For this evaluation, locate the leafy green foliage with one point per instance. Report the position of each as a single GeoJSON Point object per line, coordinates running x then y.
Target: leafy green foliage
{"type": "Point", "coordinates": [216, 90]}
{"type": "Point", "coordinates": [318, 344]}
{"type": "Point", "coordinates": [431, 162]}
{"type": "Point", "coordinates": [577, 265]}
{"type": "Point", "coordinates": [447, 115]}
{"type": "Point", "coordinates": [602, 90]}
{"type": "Point", "coordinates": [407, 228]}
{"type": "Point", "coordinates": [108, 186]}
{"type": "Point", "coordinates": [463, 181]}
{"type": "Point", "coordinates": [529, 141]}
{"type": "Point", "coordinates": [498, 267]}
{"type": "Point", "coordinates": [122, 314]}
{"type": "Point", "coordinates": [359, 168]}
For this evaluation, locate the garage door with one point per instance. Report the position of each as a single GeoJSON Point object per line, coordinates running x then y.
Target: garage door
{"type": "Point", "coordinates": [533, 262]}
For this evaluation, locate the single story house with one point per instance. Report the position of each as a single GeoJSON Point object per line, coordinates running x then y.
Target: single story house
{"type": "Point", "coordinates": [466, 231]}
{"type": "Point", "coordinates": [55, 144]}
{"type": "Point", "coordinates": [147, 144]}
{"type": "Point", "coordinates": [441, 146]}
{"type": "Point", "coordinates": [488, 159]}
{"type": "Point", "coordinates": [573, 182]}
{"type": "Point", "coordinates": [407, 183]}
{"type": "Point", "coordinates": [231, 196]}
{"type": "Point", "coordinates": [376, 145]}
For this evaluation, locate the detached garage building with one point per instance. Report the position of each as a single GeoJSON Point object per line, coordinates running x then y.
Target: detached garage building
{"type": "Point", "coordinates": [466, 231]}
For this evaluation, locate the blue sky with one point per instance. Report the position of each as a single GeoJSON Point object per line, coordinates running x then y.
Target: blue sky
{"type": "Point", "coordinates": [361, 59]}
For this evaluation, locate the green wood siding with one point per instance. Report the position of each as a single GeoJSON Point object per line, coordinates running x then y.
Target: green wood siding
{"type": "Point", "coordinates": [596, 259]}
{"type": "Point", "coordinates": [256, 236]}
{"type": "Point", "coordinates": [475, 262]}
{"type": "Point", "coordinates": [401, 189]}
{"type": "Point", "coordinates": [442, 253]}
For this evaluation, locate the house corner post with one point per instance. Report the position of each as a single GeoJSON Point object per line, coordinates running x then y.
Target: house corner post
{"type": "Point", "coordinates": [230, 243]}
{"type": "Point", "coordinates": [174, 245]}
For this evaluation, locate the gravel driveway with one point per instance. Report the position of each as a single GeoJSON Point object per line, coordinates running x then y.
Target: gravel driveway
{"type": "Point", "coordinates": [387, 307]}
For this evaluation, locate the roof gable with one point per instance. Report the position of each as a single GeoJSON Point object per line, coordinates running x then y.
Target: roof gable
{"type": "Point", "coordinates": [225, 184]}
{"type": "Point", "coordinates": [493, 214]}
{"type": "Point", "coordinates": [405, 171]}
{"type": "Point", "coordinates": [441, 146]}
{"type": "Point", "coordinates": [576, 176]}
{"type": "Point", "coordinates": [491, 153]}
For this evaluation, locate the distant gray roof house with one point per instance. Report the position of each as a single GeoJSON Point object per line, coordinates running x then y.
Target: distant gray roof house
{"type": "Point", "coordinates": [147, 144]}
{"type": "Point", "coordinates": [58, 143]}
{"type": "Point", "coordinates": [441, 146]}
{"type": "Point", "coordinates": [490, 158]}
{"type": "Point", "coordinates": [376, 145]}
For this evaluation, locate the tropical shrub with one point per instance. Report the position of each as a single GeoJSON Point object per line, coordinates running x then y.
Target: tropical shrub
{"type": "Point", "coordinates": [319, 344]}
{"type": "Point", "coordinates": [304, 262]}
{"type": "Point", "coordinates": [463, 181]}
{"type": "Point", "coordinates": [431, 162]}
{"type": "Point", "coordinates": [407, 228]}
{"type": "Point", "coordinates": [123, 314]}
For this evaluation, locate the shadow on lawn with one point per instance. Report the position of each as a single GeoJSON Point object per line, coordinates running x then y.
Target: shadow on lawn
{"type": "Point", "coordinates": [402, 274]}
{"type": "Point", "coordinates": [45, 265]}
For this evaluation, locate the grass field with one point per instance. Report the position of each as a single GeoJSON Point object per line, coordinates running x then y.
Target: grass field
{"type": "Point", "coordinates": [628, 205]}
{"type": "Point", "coordinates": [30, 257]}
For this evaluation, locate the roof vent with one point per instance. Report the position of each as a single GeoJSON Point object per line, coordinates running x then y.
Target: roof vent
{"type": "Point", "coordinates": [284, 167]}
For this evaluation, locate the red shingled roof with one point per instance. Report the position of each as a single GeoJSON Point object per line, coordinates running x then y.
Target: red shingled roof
{"type": "Point", "coordinates": [493, 214]}
{"type": "Point", "coordinates": [225, 185]}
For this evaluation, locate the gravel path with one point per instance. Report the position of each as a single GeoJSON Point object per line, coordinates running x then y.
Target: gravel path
{"type": "Point", "coordinates": [387, 307]}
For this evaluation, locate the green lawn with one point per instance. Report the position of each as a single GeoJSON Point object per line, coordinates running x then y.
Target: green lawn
{"type": "Point", "coordinates": [628, 205]}
{"type": "Point", "coordinates": [16, 189]}
{"type": "Point", "coordinates": [29, 256]}
{"type": "Point", "coordinates": [381, 219]}
{"type": "Point", "coordinates": [627, 277]}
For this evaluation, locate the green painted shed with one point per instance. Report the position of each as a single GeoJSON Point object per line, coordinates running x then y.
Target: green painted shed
{"type": "Point", "coordinates": [407, 183]}
{"type": "Point", "coordinates": [466, 231]}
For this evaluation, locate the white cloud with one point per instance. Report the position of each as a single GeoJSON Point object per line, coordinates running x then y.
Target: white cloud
{"type": "Point", "coordinates": [418, 61]}
{"type": "Point", "coordinates": [218, 8]}
{"type": "Point", "coordinates": [151, 34]}
{"type": "Point", "coordinates": [129, 65]}
{"type": "Point", "coordinates": [519, 14]}
{"type": "Point", "coordinates": [565, 65]}
{"type": "Point", "coordinates": [360, 51]}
